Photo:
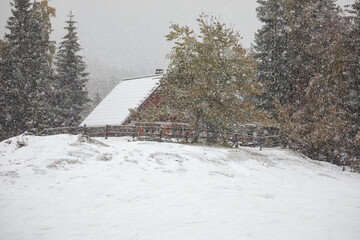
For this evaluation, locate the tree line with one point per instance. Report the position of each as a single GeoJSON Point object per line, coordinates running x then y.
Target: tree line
{"type": "Point", "coordinates": [309, 62]}
{"type": "Point", "coordinates": [302, 76]}
{"type": "Point", "coordinates": [40, 87]}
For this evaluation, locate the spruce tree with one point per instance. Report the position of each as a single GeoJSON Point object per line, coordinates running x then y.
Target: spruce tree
{"type": "Point", "coordinates": [308, 26]}
{"type": "Point", "coordinates": [25, 72]}
{"type": "Point", "coordinates": [318, 123]}
{"type": "Point", "coordinates": [2, 94]}
{"type": "Point", "coordinates": [47, 12]}
{"type": "Point", "coordinates": [313, 83]}
{"type": "Point", "coordinates": [322, 123]}
{"type": "Point", "coordinates": [71, 97]}
{"type": "Point", "coordinates": [352, 98]}
{"type": "Point", "coordinates": [271, 42]}
{"type": "Point", "coordinates": [353, 72]}
{"type": "Point", "coordinates": [282, 48]}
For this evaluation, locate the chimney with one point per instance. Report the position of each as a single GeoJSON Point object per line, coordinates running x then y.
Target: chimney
{"type": "Point", "coordinates": [159, 71]}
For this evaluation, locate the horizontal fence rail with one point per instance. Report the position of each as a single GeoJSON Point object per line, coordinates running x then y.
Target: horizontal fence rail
{"type": "Point", "coordinates": [244, 136]}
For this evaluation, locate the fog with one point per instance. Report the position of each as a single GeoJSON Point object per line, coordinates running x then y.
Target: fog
{"type": "Point", "coordinates": [127, 36]}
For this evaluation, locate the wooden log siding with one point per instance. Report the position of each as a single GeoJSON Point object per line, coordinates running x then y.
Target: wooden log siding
{"type": "Point", "coordinates": [244, 136]}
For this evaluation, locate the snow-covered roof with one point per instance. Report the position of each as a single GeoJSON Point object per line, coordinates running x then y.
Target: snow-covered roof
{"type": "Point", "coordinates": [128, 94]}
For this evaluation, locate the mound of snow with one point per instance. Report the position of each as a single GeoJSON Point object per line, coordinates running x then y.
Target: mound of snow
{"type": "Point", "coordinates": [70, 187]}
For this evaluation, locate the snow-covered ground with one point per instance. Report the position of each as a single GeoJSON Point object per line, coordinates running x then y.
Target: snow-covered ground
{"type": "Point", "coordinates": [60, 187]}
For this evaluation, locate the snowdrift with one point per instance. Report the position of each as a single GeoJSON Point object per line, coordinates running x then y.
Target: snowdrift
{"type": "Point", "coordinates": [69, 187]}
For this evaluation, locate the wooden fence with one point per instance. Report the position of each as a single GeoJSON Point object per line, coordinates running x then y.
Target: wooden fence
{"type": "Point", "coordinates": [247, 135]}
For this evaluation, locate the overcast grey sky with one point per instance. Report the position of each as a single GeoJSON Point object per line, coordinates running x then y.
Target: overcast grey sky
{"type": "Point", "coordinates": [129, 34]}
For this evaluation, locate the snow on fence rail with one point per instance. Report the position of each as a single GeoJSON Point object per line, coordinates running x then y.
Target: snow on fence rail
{"type": "Point", "coordinates": [247, 135]}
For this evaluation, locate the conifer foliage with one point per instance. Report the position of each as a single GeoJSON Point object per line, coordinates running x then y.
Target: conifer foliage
{"type": "Point", "coordinates": [47, 12]}
{"type": "Point", "coordinates": [270, 47]}
{"type": "Point", "coordinates": [71, 96]}
{"type": "Point", "coordinates": [309, 65]}
{"type": "Point", "coordinates": [353, 73]}
{"type": "Point", "coordinates": [283, 48]}
{"type": "Point", "coordinates": [32, 95]}
{"type": "Point", "coordinates": [25, 72]}
{"type": "Point", "coordinates": [352, 98]}
{"type": "Point", "coordinates": [321, 122]}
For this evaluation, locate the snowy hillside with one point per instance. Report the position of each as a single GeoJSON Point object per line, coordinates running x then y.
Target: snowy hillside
{"type": "Point", "coordinates": [62, 187]}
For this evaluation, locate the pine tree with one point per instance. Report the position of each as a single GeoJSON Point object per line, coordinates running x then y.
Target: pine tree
{"type": "Point", "coordinates": [47, 12]}
{"type": "Point", "coordinates": [2, 94]}
{"type": "Point", "coordinates": [71, 96]}
{"type": "Point", "coordinates": [353, 73]}
{"type": "Point", "coordinates": [308, 25]}
{"type": "Point", "coordinates": [309, 39]}
{"type": "Point", "coordinates": [2, 44]}
{"type": "Point", "coordinates": [40, 108]}
{"type": "Point", "coordinates": [25, 72]}
{"type": "Point", "coordinates": [352, 97]}
{"type": "Point", "coordinates": [282, 48]}
{"type": "Point", "coordinates": [270, 47]}
{"type": "Point", "coordinates": [320, 124]}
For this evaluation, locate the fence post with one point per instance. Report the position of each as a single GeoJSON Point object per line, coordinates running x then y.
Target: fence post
{"type": "Point", "coordinates": [134, 132]}
{"type": "Point", "coordinates": [236, 142]}
{"type": "Point", "coordinates": [85, 130]}
{"type": "Point", "coordinates": [160, 133]}
{"type": "Point", "coordinates": [106, 131]}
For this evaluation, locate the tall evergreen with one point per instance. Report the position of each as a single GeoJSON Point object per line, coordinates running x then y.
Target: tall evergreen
{"type": "Point", "coordinates": [270, 47]}
{"type": "Point", "coordinates": [71, 97]}
{"type": "Point", "coordinates": [353, 74]}
{"type": "Point", "coordinates": [352, 98]}
{"type": "Point", "coordinates": [25, 72]}
{"type": "Point", "coordinates": [47, 12]}
{"type": "Point", "coordinates": [2, 94]}
{"type": "Point", "coordinates": [308, 26]}
{"type": "Point", "coordinates": [302, 56]}
{"type": "Point", "coordinates": [322, 122]}
{"type": "Point", "coordinates": [282, 47]}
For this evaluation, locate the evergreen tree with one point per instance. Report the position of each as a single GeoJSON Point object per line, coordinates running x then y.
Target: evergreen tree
{"type": "Point", "coordinates": [319, 124]}
{"type": "Point", "coordinates": [2, 44]}
{"type": "Point", "coordinates": [282, 47]}
{"type": "Point", "coordinates": [270, 47]}
{"type": "Point", "coordinates": [308, 26]}
{"type": "Point", "coordinates": [2, 94]}
{"type": "Point", "coordinates": [308, 38]}
{"type": "Point", "coordinates": [71, 97]}
{"type": "Point", "coordinates": [352, 97]}
{"type": "Point", "coordinates": [25, 72]}
{"type": "Point", "coordinates": [47, 12]}
{"type": "Point", "coordinates": [322, 122]}
{"type": "Point", "coordinates": [353, 72]}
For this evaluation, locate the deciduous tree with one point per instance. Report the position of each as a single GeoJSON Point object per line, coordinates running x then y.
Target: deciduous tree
{"type": "Point", "coordinates": [210, 82]}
